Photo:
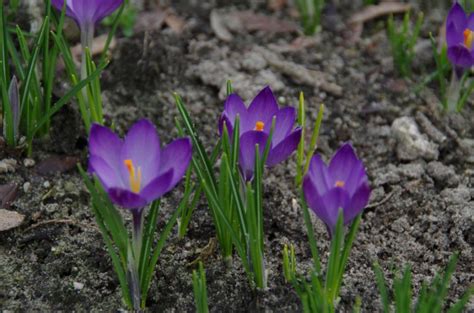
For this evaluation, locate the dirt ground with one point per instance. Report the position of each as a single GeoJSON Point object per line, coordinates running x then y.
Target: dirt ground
{"type": "Point", "coordinates": [422, 205]}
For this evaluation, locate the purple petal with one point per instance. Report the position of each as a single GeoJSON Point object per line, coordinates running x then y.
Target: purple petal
{"type": "Point", "coordinates": [460, 56]}
{"type": "Point", "coordinates": [457, 17]}
{"type": "Point", "coordinates": [263, 107]}
{"type": "Point", "coordinates": [127, 199]}
{"type": "Point", "coordinates": [228, 123]}
{"type": "Point", "coordinates": [58, 4]}
{"type": "Point", "coordinates": [335, 199]}
{"type": "Point", "coordinates": [106, 8]}
{"type": "Point", "coordinates": [342, 163]}
{"type": "Point", "coordinates": [285, 148]}
{"type": "Point", "coordinates": [105, 144]}
{"type": "Point", "coordinates": [108, 176]}
{"type": "Point", "coordinates": [453, 36]}
{"type": "Point", "coordinates": [158, 186]}
{"type": "Point", "coordinates": [247, 151]}
{"type": "Point", "coordinates": [318, 174]}
{"type": "Point", "coordinates": [357, 203]}
{"type": "Point", "coordinates": [142, 146]}
{"type": "Point", "coordinates": [470, 22]}
{"type": "Point", "coordinates": [356, 177]}
{"type": "Point", "coordinates": [176, 156]}
{"type": "Point", "coordinates": [316, 203]}
{"type": "Point", "coordinates": [285, 120]}
{"type": "Point", "coordinates": [235, 106]}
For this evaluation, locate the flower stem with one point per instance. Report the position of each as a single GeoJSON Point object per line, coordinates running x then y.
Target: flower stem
{"type": "Point", "coordinates": [87, 35]}
{"type": "Point", "coordinates": [134, 259]}
{"type": "Point", "coordinates": [453, 92]}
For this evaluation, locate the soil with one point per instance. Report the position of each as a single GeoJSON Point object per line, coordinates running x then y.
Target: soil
{"type": "Point", "coordinates": [421, 209]}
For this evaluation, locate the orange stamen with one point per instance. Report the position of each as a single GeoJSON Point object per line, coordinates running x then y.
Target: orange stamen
{"type": "Point", "coordinates": [339, 183]}
{"type": "Point", "coordinates": [468, 38]}
{"type": "Point", "coordinates": [259, 126]}
{"type": "Point", "coordinates": [135, 176]}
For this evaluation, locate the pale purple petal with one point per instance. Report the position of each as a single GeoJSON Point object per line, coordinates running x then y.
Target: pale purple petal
{"type": "Point", "coordinates": [318, 173]}
{"type": "Point", "coordinates": [106, 8]}
{"type": "Point", "coordinates": [108, 176]}
{"type": "Point", "coordinates": [460, 56]}
{"type": "Point", "coordinates": [230, 125]}
{"type": "Point", "coordinates": [142, 146]}
{"type": "Point", "coordinates": [453, 36]}
{"type": "Point", "coordinates": [247, 151]}
{"type": "Point", "coordinates": [126, 199]}
{"type": "Point", "coordinates": [285, 120]}
{"type": "Point", "coordinates": [285, 148]}
{"type": "Point", "coordinates": [105, 144]}
{"type": "Point", "coordinates": [235, 106]}
{"type": "Point", "coordinates": [470, 22]}
{"type": "Point", "coordinates": [334, 200]}
{"type": "Point", "coordinates": [263, 107]}
{"type": "Point", "coordinates": [342, 163]}
{"type": "Point", "coordinates": [315, 202]}
{"type": "Point", "coordinates": [158, 186]}
{"type": "Point", "coordinates": [176, 156]}
{"type": "Point", "coordinates": [357, 203]}
{"type": "Point", "coordinates": [457, 17]}
{"type": "Point", "coordinates": [58, 4]}
{"type": "Point", "coordinates": [356, 176]}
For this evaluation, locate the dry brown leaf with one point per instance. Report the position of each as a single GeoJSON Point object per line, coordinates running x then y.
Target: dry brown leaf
{"type": "Point", "coordinates": [277, 5]}
{"type": "Point", "coordinates": [373, 11]}
{"type": "Point", "coordinates": [175, 22]}
{"type": "Point", "coordinates": [153, 20]}
{"type": "Point", "coordinates": [57, 164]}
{"type": "Point", "coordinates": [259, 22]}
{"type": "Point", "coordinates": [8, 193]}
{"type": "Point", "coordinates": [98, 46]}
{"type": "Point", "coordinates": [10, 219]}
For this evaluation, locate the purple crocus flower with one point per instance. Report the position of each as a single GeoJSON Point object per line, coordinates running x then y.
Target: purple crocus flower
{"type": "Point", "coordinates": [87, 12]}
{"type": "Point", "coordinates": [341, 185]}
{"type": "Point", "coordinates": [460, 37]}
{"type": "Point", "coordinates": [255, 125]}
{"type": "Point", "coordinates": [136, 170]}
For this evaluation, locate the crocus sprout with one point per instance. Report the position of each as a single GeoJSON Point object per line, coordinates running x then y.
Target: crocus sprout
{"type": "Point", "coordinates": [87, 13]}
{"type": "Point", "coordinates": [135, 171]}
{"type": "Point", "coordinates": [11, 125]}
{"type": "Point", "coordinates": [341, 185]}
{"type": "Point", "coordinates": [460, 37]}
{"type": "Point", "coordinates": [255, 127]}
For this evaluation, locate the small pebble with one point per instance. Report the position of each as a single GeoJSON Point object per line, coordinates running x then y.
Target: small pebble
{"type": "Point", "coordinates": [28, 162]}
{"type": "Point", "coordinates": [78, 285]}
{"type": "Point", "coordinates": [7, 165]}
{"type": "Point", "coordinates": [46, 184]}
{"type": "Point", "coordinates": [26, 187]}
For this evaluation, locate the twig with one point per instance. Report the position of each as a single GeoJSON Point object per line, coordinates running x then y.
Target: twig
{"type": "Point", "coordinates": [373, 205]}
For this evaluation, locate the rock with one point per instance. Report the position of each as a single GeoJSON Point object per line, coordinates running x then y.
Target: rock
{"type": "Point", "coordinates": [386, 175]}
{"type": "Point", "coordinates": [78, 286]}
{"type": "Point", "coordinates": [29, 162]}
{"type": "Point", "coordinates": [10, 219]}
{"type": "Point", "coordinates": [442, 174]}
{"type": "Point", "coordinates": [26, 187]}
{"type": "Point", "coordinates": [7, 166]}
{"type": "Point", "coordinates": [434, 133]}
{"type": "Point", "coordinates": [458, 195]}
{"type": "Point", "coordinates": [412, 170]}
{"type": "Point", "coordinates": [400, 225]}
{"type": "Point", "coordinates": [467, 145]}
{"type": "Point", "coordinates": [411, 143]}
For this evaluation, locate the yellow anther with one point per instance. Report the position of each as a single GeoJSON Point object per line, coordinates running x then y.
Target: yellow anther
{"type": "Point", "coordinates": [259, 126]}
{"type": "Point", "coordinates": [468, 38]}
{"type": "Point", "coordinates": [339, 183]}
{"type": "Point", "coordinates": [135, 175]}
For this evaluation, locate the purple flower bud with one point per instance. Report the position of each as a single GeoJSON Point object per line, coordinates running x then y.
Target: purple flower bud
{"type": "Point", "coordinates": [87, 12]}
{"type": "Point", "coordinates": [255, 125]}
{"type": "Point", "coordinates": [136, 171]}
{"type": "Point", "coordinates": [460, 37]}
{"type": "Point", "coordinates": [341, 185]}
{"type": "Point", "coordinates": [14, 98]}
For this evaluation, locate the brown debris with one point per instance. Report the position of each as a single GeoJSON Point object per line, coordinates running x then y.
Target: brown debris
{"type": "Point", "coordinates": [276, 5]}
{"type": "Point", "coordinates": [10, 219]}
{"type": "Point", "coordinates": [8, 194]}
{"type": "Point", "coordinates": [150, 20]}
{"type": "Point", "coordinates": [57, 164]}
{"type": "Point", "coordinates": [371, 12]}
{"type": "Point", "coordinates": [98, 46]}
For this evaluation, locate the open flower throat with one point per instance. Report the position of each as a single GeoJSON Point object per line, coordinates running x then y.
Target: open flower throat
{"type": "Point", "coordinates": [339, 183]}
{"type": "Point", "coordinates": [468, 38]}
{"type": "Point", "coordinates": [135, 176]}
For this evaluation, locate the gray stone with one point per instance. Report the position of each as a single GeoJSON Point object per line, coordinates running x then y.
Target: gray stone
{"type": "Point", "coordinates": [411, 143]}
